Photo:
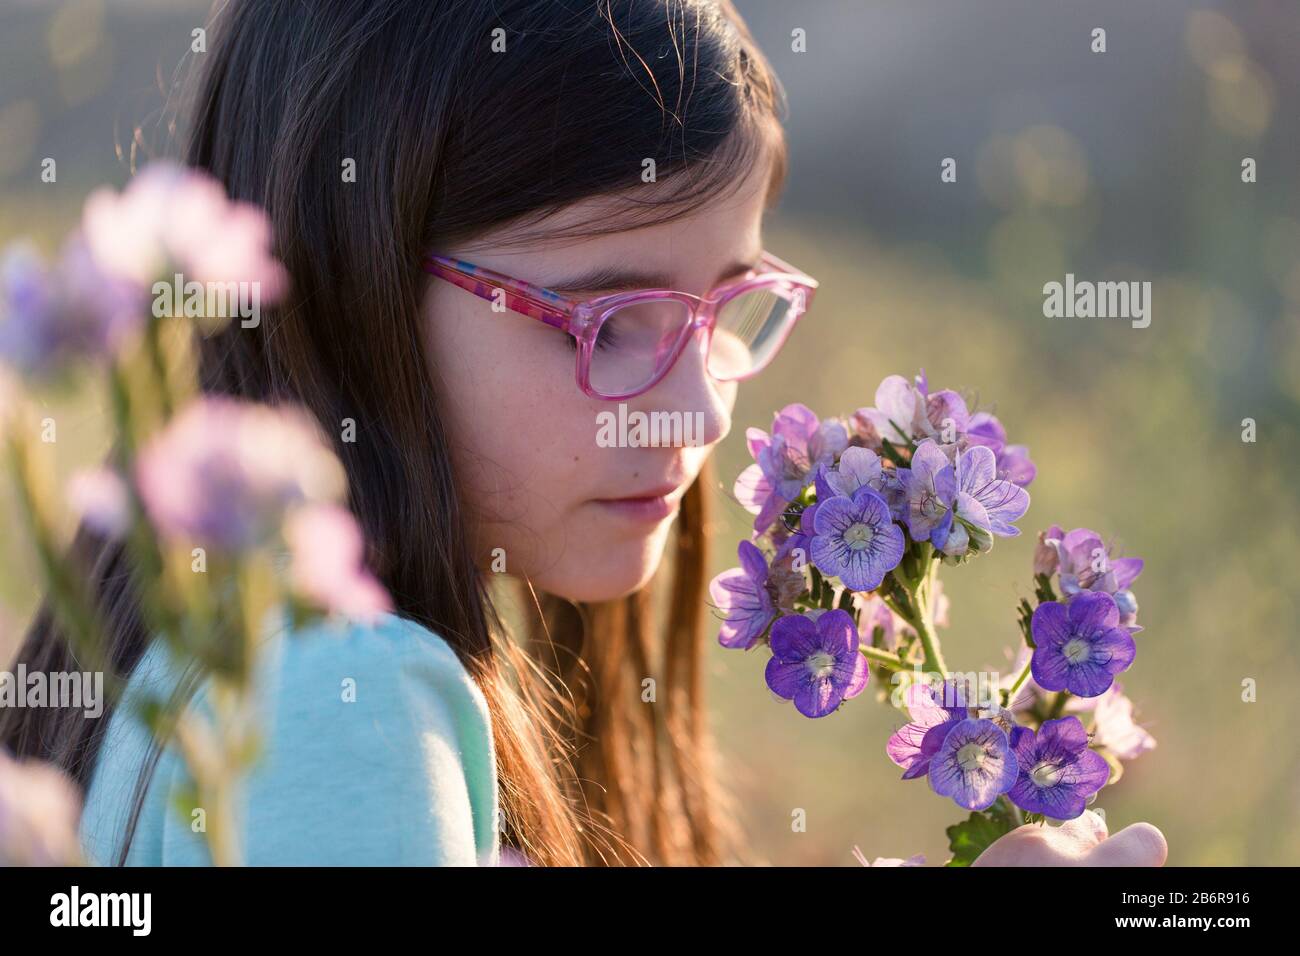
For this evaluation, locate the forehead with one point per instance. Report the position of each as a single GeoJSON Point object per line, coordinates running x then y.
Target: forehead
{"type": "Point", "coordinates": [645, 212]}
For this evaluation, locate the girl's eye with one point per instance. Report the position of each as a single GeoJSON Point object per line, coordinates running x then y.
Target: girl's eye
{"type": "Point", "coordinates": [607, 339]}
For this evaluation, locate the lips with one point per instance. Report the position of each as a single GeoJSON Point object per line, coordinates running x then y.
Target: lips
{"type": "Point", "coordinates": [649, 505]}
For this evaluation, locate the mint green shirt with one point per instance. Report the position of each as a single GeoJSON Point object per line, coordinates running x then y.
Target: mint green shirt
{"type": "Point", "coordinates": [377, 750]}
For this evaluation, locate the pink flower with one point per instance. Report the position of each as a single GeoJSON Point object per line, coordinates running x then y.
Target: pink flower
{"type": "Point", "coordinates": [327, 566]}
{"type": "Point", "coordinates": [1115, 728]}
{"type": "Point", "coordinates": [39, 808]}
{"type": "Point", "coordinates": [99, 498]}
{"type": "Point", "coordinates": [170, 217]}
{"type": "Point", "coordinates": [224, 472]}
{"type": "Point", "coordinates": [916, 860]}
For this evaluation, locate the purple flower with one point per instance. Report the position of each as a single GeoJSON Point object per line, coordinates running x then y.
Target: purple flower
{"type": "Point", "coordinates": [906, 412]}
{"type": "Point", "coordinates": [957, 505]}
{"type": "Point", "coordinates": [743, 597]}
{"type": "Point", "coordinates": [801, 538]}
{"type": "Point", "coordinates": [984, 501]}
{"type": "Point", "coordinates": [1084, 563]}
{"type": "Point", "coordinates": [1058, 773]}
{"type": "Point", "coordinates": [930, 491]}
{"type": "Point", "coordinates": [1046, 555]}
{"type": "Point", "coordinates": [327, 562]}
{"type": "Point", "coordinates": [899, 406]}
{"type": "Point", "coordinates": [223, 472]}
{"type": "Point", "coordinates": [1013, 462]}
{"type": "Point", "coordinates": [754, 489]}
{"type": "Point", "coordinates": [816, 664]}
{"type": "Point", "coordinates": [1080, 647]}
{"type": "Point", "coordinates": [860, 467]}
{"type": "Point", "coordinates": [856, 539]}
{"type": "Point", "coordinates": [50, 319]}
{"type": "Point", "coordinates": [874, 613]}
{"type": "Point", "coordinates": [785, 460]}
{"type": "Point", "coordinates": [974, 764]}
{"type": "Point", "coordinates": [933, 712]}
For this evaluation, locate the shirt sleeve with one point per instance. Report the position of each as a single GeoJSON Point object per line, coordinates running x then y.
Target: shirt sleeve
{"type": "Point", "coordinates": [376, 750]}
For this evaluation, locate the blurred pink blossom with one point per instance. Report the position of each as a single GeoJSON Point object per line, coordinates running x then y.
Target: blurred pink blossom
{"type": "Point", "coordinates": [169, 217]}
{"type": "Point", "coordinates": [1116, 729]}
{"type": "Point", "coordinates": [223, 472]}
{"type": "Point", "coordinates": [39, 809]}
{"type": "Point", "coordinates": [916, 860]}
{"type": "Point", "coordinates": [99, 498]}
{"type": "Point", "coordinates": [327, 562]}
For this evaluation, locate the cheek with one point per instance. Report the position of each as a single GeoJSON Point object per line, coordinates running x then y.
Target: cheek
{"type": "Point", "coordinates": [522, 434]}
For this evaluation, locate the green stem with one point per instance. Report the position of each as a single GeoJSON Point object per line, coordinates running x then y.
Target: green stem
{"type": "Point", "coordinates": [158, 362]}
{"type": "Point", "coordinates": [1058, 705]}
{"type": "Point", "coordinates": [1004, 808]}
{"type": "Point", "coordinates": [1011, 694]}
{"type": "Point", "coordinates": [924, 622]}
{"type": "Point", "coordinates": [72, 606]}
{"type": "Point", "coordinates": [884, 658]}
{"type": "Point", "coordinates": [147, 561]}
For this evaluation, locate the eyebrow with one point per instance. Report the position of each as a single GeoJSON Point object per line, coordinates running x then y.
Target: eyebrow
{"type": "Point", "coordinates": [621, 279]}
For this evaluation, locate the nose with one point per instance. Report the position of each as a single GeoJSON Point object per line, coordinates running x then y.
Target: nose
{"type": "Point", "coordinates": [688, 388]}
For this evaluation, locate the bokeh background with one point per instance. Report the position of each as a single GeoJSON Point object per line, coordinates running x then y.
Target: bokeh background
{"type": "Point", "coordinates": [1123, 165]}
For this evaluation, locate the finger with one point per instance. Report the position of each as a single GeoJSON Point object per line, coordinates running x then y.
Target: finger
{"type": "Point", "coordinates": [1007, 849]}
{"type": "Point", "coordinates": [1047, 845]}
{"type": "Point", "coordinates": [1080, 835]}
{"type": "Point", "coordinates": [1140, 844]}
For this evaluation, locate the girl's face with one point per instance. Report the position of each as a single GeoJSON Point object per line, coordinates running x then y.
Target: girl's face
{"type": "Point", "coordinates": [581, 520]}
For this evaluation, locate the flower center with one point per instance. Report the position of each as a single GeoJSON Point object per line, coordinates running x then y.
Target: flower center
{"type": "Point", "coordinates": [858, 536]}
{"type": "Point", "coordinates": [1077, 650]}
{"type": "Point", "coordinates": [1046, 774]}
{"type": "Point", "coordinates": [971, 757]}
{"type": "Point", "coordinates": [820, 664]}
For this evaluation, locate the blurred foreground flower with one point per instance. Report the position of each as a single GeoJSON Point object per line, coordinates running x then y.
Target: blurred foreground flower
{"type": "Point", "coordinates": [327, 562]}
{"type": "Point", "coordinates": [53, 318]}
{"type": "Point", "coordinates": [240, 479]}
{"type": "Point", "coordinates": [39, 808]}
{"type": "Point", "coordinates": [100, 498]}
{"type": "Point", "coordinates": [915, 860]}
{"type": "Point", "coordinates": [224, 472]}
{"type": "Point", "coordinates": [95, 299]}
{"type": "Point", "coordinates": [173, 217]}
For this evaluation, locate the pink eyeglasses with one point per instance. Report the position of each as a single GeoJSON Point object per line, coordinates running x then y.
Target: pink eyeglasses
{"type": "Point", "coordinates": [627, 342]}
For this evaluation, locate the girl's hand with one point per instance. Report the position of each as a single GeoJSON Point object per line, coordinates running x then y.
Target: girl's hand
{"type": "Point", "coordinates": [1078, 842]}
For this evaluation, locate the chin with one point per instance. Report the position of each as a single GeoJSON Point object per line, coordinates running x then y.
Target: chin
{"type": "Point", "coordinates": [609, 572]}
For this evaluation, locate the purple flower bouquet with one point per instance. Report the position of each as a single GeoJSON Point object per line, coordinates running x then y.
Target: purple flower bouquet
{"type": "Point", "coordinates": [853, 519]}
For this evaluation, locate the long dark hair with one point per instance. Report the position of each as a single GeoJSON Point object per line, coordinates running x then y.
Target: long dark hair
{"type": "Point", "coordinates": [449, 138]}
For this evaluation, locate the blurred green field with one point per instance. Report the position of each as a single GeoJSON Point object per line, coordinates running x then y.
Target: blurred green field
{"type": "Point", "coordinates": [1136, 432]}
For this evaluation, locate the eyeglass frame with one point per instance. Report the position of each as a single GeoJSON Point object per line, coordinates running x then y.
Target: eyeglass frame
{"type": "Point", "coordinates": [583, 320]}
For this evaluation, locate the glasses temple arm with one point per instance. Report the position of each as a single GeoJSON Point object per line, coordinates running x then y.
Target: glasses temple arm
{"type": "Point", "coordinates": [520, 297]}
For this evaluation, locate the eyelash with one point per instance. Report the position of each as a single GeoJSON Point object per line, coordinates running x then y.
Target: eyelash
{"type": "Point", "coordinates": [608, 336]}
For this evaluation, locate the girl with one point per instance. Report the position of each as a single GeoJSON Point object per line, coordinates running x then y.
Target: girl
{"type": "Point", "coordinates": [440, 176]}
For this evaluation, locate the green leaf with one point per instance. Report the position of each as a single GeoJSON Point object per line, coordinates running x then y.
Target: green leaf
{"type": "Point", "coordinates": [973, 836]}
